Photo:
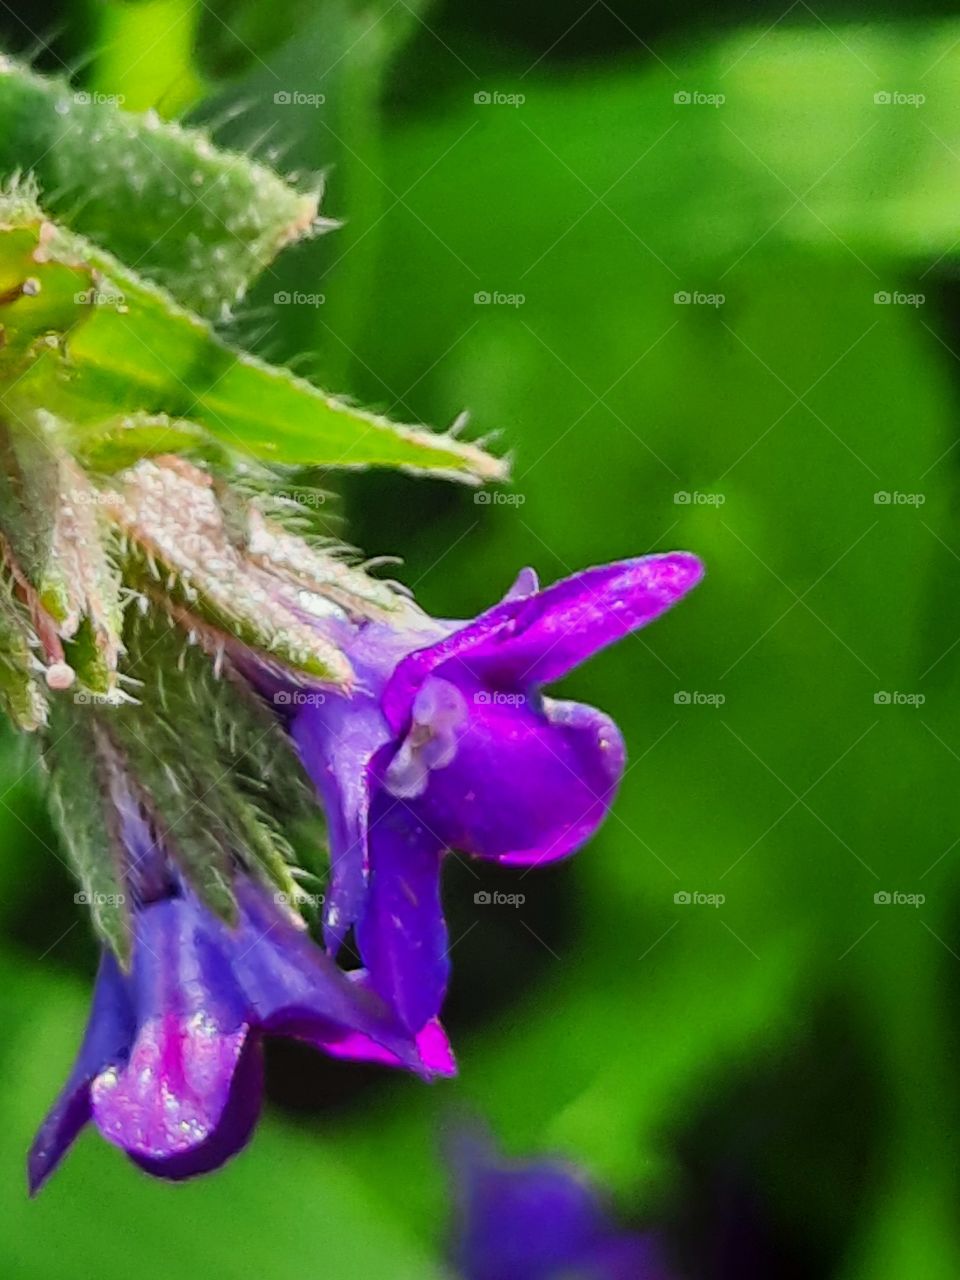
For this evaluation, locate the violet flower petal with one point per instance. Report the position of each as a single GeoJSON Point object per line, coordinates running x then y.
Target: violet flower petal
{"type": "Point", "coordinates": [232, 1132]}
{"type": "Point", "coordinates": [433, 1047]}
{"type": "Point", "coordinates": [336, 742]}
{"type": "Point", "coordinates": [564, 625]}
{"type": "Point", "coordinates": [174, 1095]}
{"type": "Point", "coordinates": [402, 934]}
{"type": "Point", "coordinates": [109, 1034]}
{"type": "Point", "coordinates": [432, 1043]}
{"type": "Point", "coordinates": [529, 784]}
{"type": "Point", "coordinates": [527, 583]}
{"type": "Point", "coordinates": [294, 989]}
{"type": "Point", "coordinates": [205, 993]}
{"type": "Point", "coordinates": [540, 1220]}
{"type": "Point", "coordinates": [523, 1217]}
{"type": "Point", "coordinates": [171, 1096]}
{"type": "Point", "coordinates": [536, 639]}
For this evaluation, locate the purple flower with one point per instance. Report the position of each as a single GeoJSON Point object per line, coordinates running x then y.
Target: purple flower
{"type": "Point", "coordinates": [540, 1220]}
{"type": "Point", "coordinates": [170, 1069]}
{"type": "Point", "coordinates": [447, 743]}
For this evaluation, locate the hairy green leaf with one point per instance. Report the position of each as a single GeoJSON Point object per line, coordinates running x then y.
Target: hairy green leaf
{"type": "Point", "coordinates": [91, 340]}
{"type": "Point", "coordinates": [20, 694]}
{"type": "Point", "coordinates": [200, 221]}
{"type": "Point", "coordinates": [80, 760]}
{"type": "Point", "coordinates": [230, 783]}
{"type": "Point", "coordinates": [182, 804]}
{"type": "Point", "coordinates": [170, 514]}
{"type": "Point", "coordinates": [53, 520]}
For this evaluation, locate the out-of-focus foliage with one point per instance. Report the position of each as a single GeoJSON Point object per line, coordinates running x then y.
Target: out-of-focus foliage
{"type": "Point", "coordinates": [779, 1069]}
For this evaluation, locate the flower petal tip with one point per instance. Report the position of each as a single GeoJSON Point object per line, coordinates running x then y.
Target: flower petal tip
{"type": "Point", "coordinates": [436, 1055]}
{"type": "Point", "coordinates": [39, 1168]}
{"type": "Point", "coordinates": [690, 569]}
{"type": "Point", "coordinates": [46, 1153]}
{"type": "Point", "coordinates": [673, 573]}
{"type": "Point", "coordinates": [171, 1096]}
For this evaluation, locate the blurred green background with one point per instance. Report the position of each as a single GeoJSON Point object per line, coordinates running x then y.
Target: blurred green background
{"type": "Point", "coordinates": [718, 252]}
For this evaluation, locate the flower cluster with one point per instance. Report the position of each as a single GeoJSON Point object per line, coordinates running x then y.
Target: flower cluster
{"type": "Point", "coordinates": [449, 744]}
{"type": "Point", "coordinates": [170, 1069]}
{"type": "Point", "coordinates": [441, 740]}
{"type": "Point", "coordinates": [205, 667]}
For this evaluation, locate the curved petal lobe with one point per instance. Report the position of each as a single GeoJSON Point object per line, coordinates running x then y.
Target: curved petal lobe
{"type": "Point", "coordinates": [295, 989]}
{"type": "Point", "coordinates": [232, 1132]}
{"type": "Point", "coordinates": [402, 935]}
{"type": "Point", "coordinates": [566, 624]}
{"type": "Point", "coordinates": [528, 784]}
{"type": "Point", "coordinates": [171, 1096]}
{"type": "Point", "coordinates": [109, 1034]}
{"type": "Point", "coordinates": [534, 639]}
{"type": "Point", "coordinates": [336, 742]}
{"type": "Point", "coordinates": [433, 1046]}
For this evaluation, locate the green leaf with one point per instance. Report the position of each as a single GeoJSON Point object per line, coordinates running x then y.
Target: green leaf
{"type": "Point", "coordinates": [172, 519]}
{"type": "Point", "coordinates": [187, 825]}
{"type": "Point", "coordinates": [81, 760]}
{"type": "Point", "coordinates": [20, 695]}
{"type": "Point", "coordinates": [121, 442]}
{"type": "Point", "coordinates": [224, 781]}
{"type": "Point", "coordinates": [53, 520]}
{"type": "Point", "coordinates": [200, 221]}
{"type": "Point", "coordinates": [90, 340]}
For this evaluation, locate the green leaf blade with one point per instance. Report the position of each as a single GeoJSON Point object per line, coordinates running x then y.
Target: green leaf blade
{"type": "Point", "coordinates": [127, 347]}
{"type": "Point", "coordinates": [207, 221]}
